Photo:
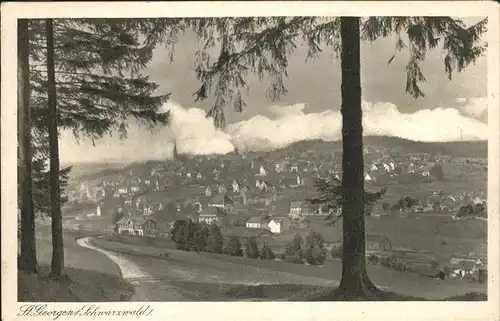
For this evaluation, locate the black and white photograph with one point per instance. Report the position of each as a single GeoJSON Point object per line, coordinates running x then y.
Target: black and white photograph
{"type": "Point", "coordinates": [259, 157]}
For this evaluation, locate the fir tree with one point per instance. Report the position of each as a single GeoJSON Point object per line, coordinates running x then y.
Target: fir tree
{"type": "Point", "coordinates": [27, 259]}
{"type": "Point", "coordinates": [293, 252]}
{"type": "Point", "coordinates": [86, 79]}
{"type": "Point", "coordinates": [314, 251]}
{"type": "Point", "coordinates": [266, 253]}
{"type": "Point", "coordinates": [215, 242]}
{"type": "Point", "coordinates": [201, 238]}
{"type": "Point", "coordinates": [251, 248]}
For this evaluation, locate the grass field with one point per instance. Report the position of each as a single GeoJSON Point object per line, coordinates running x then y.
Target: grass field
{"type": "Point", "coordinates": [205, 272]}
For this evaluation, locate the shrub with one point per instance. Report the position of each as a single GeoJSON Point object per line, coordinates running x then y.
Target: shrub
{"type": "Point", "coordinates": [315, 256]}
{"type": "Point", "coordinates": [336, 251]}
{"type": "Point", "coordinates": [373, 259]}
{"type": "Point", "coordinates": [437, 172]}
{"type": "Point", "coordinates": [296, 258]}
{"type": "Point", "coordinates": [266, 253]}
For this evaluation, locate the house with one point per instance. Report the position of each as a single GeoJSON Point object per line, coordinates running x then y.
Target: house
{"type": "Point", "coordinates": [257, 222]}
{"type": "Point", "coordinates": [235, 186]}
{"type": "Point", "coordinates": [262, 171]}
{"type": "Point", "coordinates": [373, 168]}
{"type": "Point", "coordinates": [208, 191]}
{"type": "Point", "coordinates": [279, 225]}
{"type": "Point", "coordinates": [123, 190]}
{"type": "Point", "coordinates": [459, 268]}
{"type": "Point", "coordinates": [296, 209]}
{"type": "Point", "coordinates": [368, 178]}
{"type": "Point", "coordinates": [294, 168]}
{"type": "Point", "coordinates": [220, 200]}
{"type": "Point", "coordinates": [261, 185]}
{"type": "Point", "coordinates": [199, 176]}
{"type": "Point", "coordinates": [245, 233]}
{"type": "Point", "coordinates": [209, 215]}
{"type": "Point", "coordinates": [136, 225]}
{"type": "Point", "coordinates": [378, 243]}
{"type": "Point", "coordinates": [243, 195]}
{"type": "Point", "coordinates": [222, 189]}
{"type": "Point", "coordinates": [282, 167]}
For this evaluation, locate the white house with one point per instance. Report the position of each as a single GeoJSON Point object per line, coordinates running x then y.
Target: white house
{"type": "Point", "coordinates": [373, 168]}
{"type": "Point", "coordinates": [282, 167]}
{"type": "Point", "coordinates": [236, 187]}
{"type": "Point", "coordinates": [188, 175]}
{"type": "Point", "coordinates": [198, 176]}
{"type": "Point", "coordinates": [208, 191]}
{"type": "Point", "coordinates": [262, 171]}
{"type": "Point", "coordinates": [368, 178]}
{"type": "Point", "coordinates": [278, 225]}
{"type": "Point", "coordinates": [392, 165]}
{"type": "Point", "coordinates": [134, 189]}
{"type": "Point", "coordinates": [256, 222]}
{"type": "Point", "coordinates": [387, 168]}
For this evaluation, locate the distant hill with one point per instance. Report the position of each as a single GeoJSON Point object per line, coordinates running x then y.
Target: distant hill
{"type": "Point", "coordinates": [472, 149]}
{"type": "Point", "coordinates": [457, 149]}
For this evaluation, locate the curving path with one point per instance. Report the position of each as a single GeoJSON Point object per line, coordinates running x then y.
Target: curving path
{"type": "Point", "coordinates": [129, 270]}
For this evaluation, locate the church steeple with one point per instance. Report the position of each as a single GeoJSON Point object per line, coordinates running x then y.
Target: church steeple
{"type": "Point", "coordinates": [176, 155]}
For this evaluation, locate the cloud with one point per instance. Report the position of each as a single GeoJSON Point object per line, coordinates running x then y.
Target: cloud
{"type": "Point", "coordinates": [474, 107]}
{"type": "Point", "coordinates": [195, 134]}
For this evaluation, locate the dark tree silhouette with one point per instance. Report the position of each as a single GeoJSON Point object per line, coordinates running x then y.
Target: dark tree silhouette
{"type": "Point", "coordinates": [27, 260]}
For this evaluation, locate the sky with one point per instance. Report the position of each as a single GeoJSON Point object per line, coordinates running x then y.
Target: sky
{"type": "Point", "coordinates": [450, 111]}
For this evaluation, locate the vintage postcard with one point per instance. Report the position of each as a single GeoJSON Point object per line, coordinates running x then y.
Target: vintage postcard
{"type": "Point", "coordinates": [250, 160]}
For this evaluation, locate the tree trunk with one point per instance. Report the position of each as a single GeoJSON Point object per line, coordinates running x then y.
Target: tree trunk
{"type": "Point", "coordinates": [27, 261]}
{"type": "Point", "coordinates": [355, 283]}
{"type": "Point", "coordinates": [57, 263]}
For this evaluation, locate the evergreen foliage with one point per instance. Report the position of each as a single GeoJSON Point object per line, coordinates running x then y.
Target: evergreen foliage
{"type": "Point", "coordinates": [251, 248]}
{"type": "Point", "coordinates": [266, 253]}
{"type": "Point", "coordinates": [215, 241]}
{"type": "Point", "coordinates": [314, 251]}
{"type": "Point", "coordinates": [293, 252]}
{"type": "Point", "coordinates": [233, 247]}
